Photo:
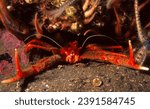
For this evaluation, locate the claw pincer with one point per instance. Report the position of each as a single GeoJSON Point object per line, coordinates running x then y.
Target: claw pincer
{"type": "Point", "coordinates": [33, 69]}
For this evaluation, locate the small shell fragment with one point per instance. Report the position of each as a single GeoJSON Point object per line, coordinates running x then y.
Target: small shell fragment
{"type": "Point", "coordinates": [60, 66]}
{"type": "Point", "coordinates": [97, 82]}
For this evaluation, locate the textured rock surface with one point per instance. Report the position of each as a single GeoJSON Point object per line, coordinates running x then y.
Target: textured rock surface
{"type": "Point", "coordinates": [79, 77]}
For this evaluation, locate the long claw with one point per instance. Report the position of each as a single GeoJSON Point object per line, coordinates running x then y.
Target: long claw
{"type": "Point", "coordinates": [131, 53]}
{"type": "Point", "coordinates": [131, 61]}
{"type": "Point", "coordinates": [114, 58]}
{"type": "Point", "coordinates": [19, 74]}
{"type": "Point", "coordinates": [32, 70]}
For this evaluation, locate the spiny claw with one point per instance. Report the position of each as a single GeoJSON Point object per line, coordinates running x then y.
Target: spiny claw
{"type": "Point", "coordinates": [95, 53]}
{"type": "Point", "coordinates": [33, 69]}
{"type": "Point", "coordinates": [144, 68]}
{"type": "Point", "coordinates": [131, 62]}
{"type": "Point", "coordinates": [19, 73]}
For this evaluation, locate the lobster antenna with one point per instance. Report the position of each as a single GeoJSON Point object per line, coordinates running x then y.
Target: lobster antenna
{"type": "Point", "coordinates": [138, 22]}
{"type": "Point", "coordinates": [44, 37]}
{"type": "Point", "coordinates": [98, 35]}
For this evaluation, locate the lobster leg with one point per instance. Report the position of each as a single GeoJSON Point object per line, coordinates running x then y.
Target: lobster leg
{"type": "Point", "coordinates": [33, 69]}
{"type": "Point", "coordinates": [41, 45]}
{"type": "Point", "coordinates": [95, 47]}
{"type": "Point", "coordinates": [30, 46]}
{"type": "Point", "coordinates": [39, 42]}
{"type": "Point", "coordinates": [114, 58]}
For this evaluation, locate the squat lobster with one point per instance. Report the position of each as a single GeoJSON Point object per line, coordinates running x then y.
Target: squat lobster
{"type": "Point", "coordinates": [71, 54]}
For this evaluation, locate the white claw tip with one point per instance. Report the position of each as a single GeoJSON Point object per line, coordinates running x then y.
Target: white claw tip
{"type": "Point", "coordinates": [144, 68]}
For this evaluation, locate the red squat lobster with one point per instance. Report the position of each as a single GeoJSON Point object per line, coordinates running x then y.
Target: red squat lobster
{"type": "Point", "coordinates": [71, 54]}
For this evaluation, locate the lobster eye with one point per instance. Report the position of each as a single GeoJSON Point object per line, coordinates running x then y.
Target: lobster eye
{"type": "Point", "coordinates": [66, 53]}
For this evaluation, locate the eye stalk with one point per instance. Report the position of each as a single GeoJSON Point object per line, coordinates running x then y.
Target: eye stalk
{"type": "Point", "coordinates": [71, 52]}
{"type": "Point", "coordinates": [72, 57]}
